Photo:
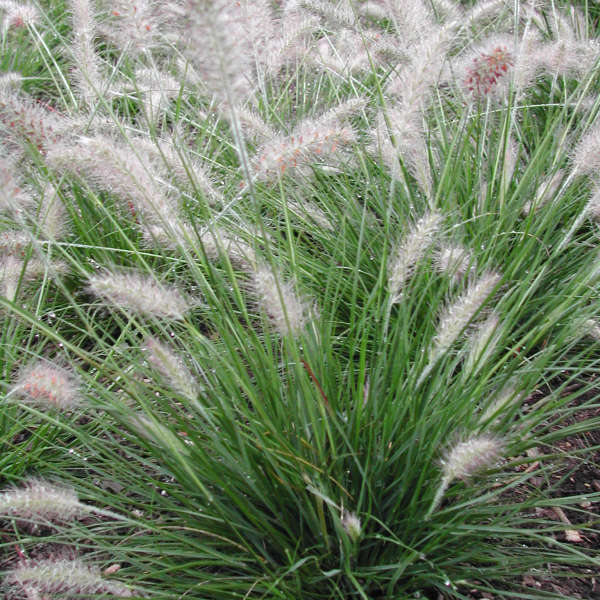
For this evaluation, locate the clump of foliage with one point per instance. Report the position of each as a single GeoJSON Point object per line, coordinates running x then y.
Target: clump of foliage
{"type": "Point", "coordinates": [279, 283]}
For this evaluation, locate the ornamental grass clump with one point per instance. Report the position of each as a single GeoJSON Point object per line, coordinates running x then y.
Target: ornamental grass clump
{"type": "Point", "coordinates": [326, 274]}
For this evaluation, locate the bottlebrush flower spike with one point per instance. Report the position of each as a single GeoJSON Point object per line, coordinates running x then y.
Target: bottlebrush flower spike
{"type": "Point", "coordinates": [140, 294]}
{"type": "Point", "coordinates": [288, 313]}
{"type": "Point", "coordinates": [26, 123]}
{"type": "Point", "coordinates": [10, 82]}
{"type": "Point", "coordinates": [38, 503]}
{"type": "Point", "coordinates": [51, 214]}
{"type": "Point", "coordinates": [17, 14]}
{"type": "Point", "coordinates": [351, 524]}
{"type": "Point", "coordinates": [409, 251]}
{"type": "Point", "coordinates": [66, 578]}
{"type": "Point", "coordinates": [486, 75]}
{"type": "Point", "coordinates": [169, 159]}
{"type": "Point", "coordinates": [502, 400]}
{"type": "Point", "coordinates": [457, 315]}
{"type": "Point", "coordinates": [586, 156]}
{"type": "Point", "coordinates": [170, 366]}
{"type": "Point", "coordinates": [465, 459]}
{"type": "Point", "coordinates": [221, 44]}
{"type": "Point", "coordinates": [107, 165]}
{"type": "Point", "coordinates": [482, 344]}
{"type": "Point", "coordinates": [85, 59]}
{"type": "Point", "coordinates": [135, 26]}
{"type": "Point", "coordinates": [156, 89]}
{"type": "Point", "coordinates": [312, 141]}
{"type": "Point", "coordinates": [14, 197]}
{"type": "Point", "coordinates": [454, 261]}
{"type": "Point", "coordinates": [48, 385]}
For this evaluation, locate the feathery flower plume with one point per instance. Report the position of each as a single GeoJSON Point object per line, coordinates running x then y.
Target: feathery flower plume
{"type": "Point", "coordinates": [67, 578]}
{"type": "Point", "coordinates": [311, 141]}
{"type": "Point", "coordinates": [340, 13]}
{"type": "Point", "coordinates": [504, 397]}
{"type": "Point", "coordinates": [309, 211]}
{"type": "Point", "coordinates": [351, 524]}
{"type": "Point", "coordinates": [13, 243]}
{"type": "Point", "coordinates": [41, 501]}
{"type": "Point", "coordinates": [46, 384]}
{"type": "Point", "coordinates": [404, 139]}
{"type": "Point", "coordinates": [409, 251]}
{"type": "Point", "coordinates": [592, 328]}
{"type": "Point", "coordinates": [222, 43]}
{"type": "Point", "coordinates": [569, 57]}
{"type": "Point", "coordinates": [52, 214]}
{"type": "Point", "coordinates": [455, 261]}
{"type": "Point", "coordinates": [592, 208]}
{"type": "Point", "coordinates": [17, 14]}
{"type": "Point", "coordinates": [15, 272]}
{"type": "Point", "coordinates": [107, 165]}
{"type": "Point", "coordinates": [464, 460]}
{"type": "Point", "coordinates": [14, 197]}
{"type": "Point", "coordinates": [85, 59]}
{"type": "Point", "coordinates": [167, 156]}
{"type": "Point", "coordinates": [170, 366]}
{"type": "Point", "coordinates": [26, 123]}
{"type": "Point", "coordinates": [140, 294]}
{"type": "Point", "coordinates": [456, 316]}
{"type": "Point", "coordinates": [288, 313]}
{"type": "Point", "coordinates": [156, 89]}
{"type": "Point", "coordinates": [135, 27]}
{"type": "Point", "coordinates": [413, 21]}
{"type": "Point", "coordinates": [157, 433]}
{"type": "Point", "coordinates": [292, 42]}
{"type": "Point", "coordinates": [482, 344]}
{"type": "Point", "coordinates": [545, 192]}
{"type": "Point", "coordinates": [348, 52]}
{"type": "Point", "coordinates": [10, 82]}
{"type": "Point", "coordinates": [485, 71]}
{"type": "Point", "coordinates": [586, 156]}
{"type": "Point", "coordinates": [485, 10]}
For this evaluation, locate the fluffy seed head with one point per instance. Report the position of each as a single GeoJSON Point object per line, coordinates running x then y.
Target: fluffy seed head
{"type": "Point", "coordinates": [17, 14]}
{"type": "Point", "coordinates": [503, 398]}
{"type": "Point", "coordinates": [592, 328]}
{"type": "Point", "coordinates": [288, 313]}
{"type": "Point", "coordinates": [85, 60]}
{"type": "Point", "coordinates": [170, 366]}
{"type": "Point", "coordinates": [139, 294]}
{"type": "Point", "coordinates": [351, 524]}
{"type": "Point", "coordinates": [109, 165]}
{"type": "Point", "coordinates": [48, 385]}
{"type": "Point", "coordinates": [593, 206]}
{"type": "Point", "coordinates": [41, 501]}
{"type": "Point", "coordinates": [482, 343]}
{"type": "Point", "coordinates": [454, 261]}
{"type": "Point", "coordinates": [67, 578]}
{"type": "Point", "coordinates": [486, 71]}
{"type": "Point", "coordinates": [467, 458]}
{"type": "Point", "coordinates": [586, 157]}
{"type": "Point", "coordinates": [457, 315]}
{"type": "Point", "coordinates": [409, 251]}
